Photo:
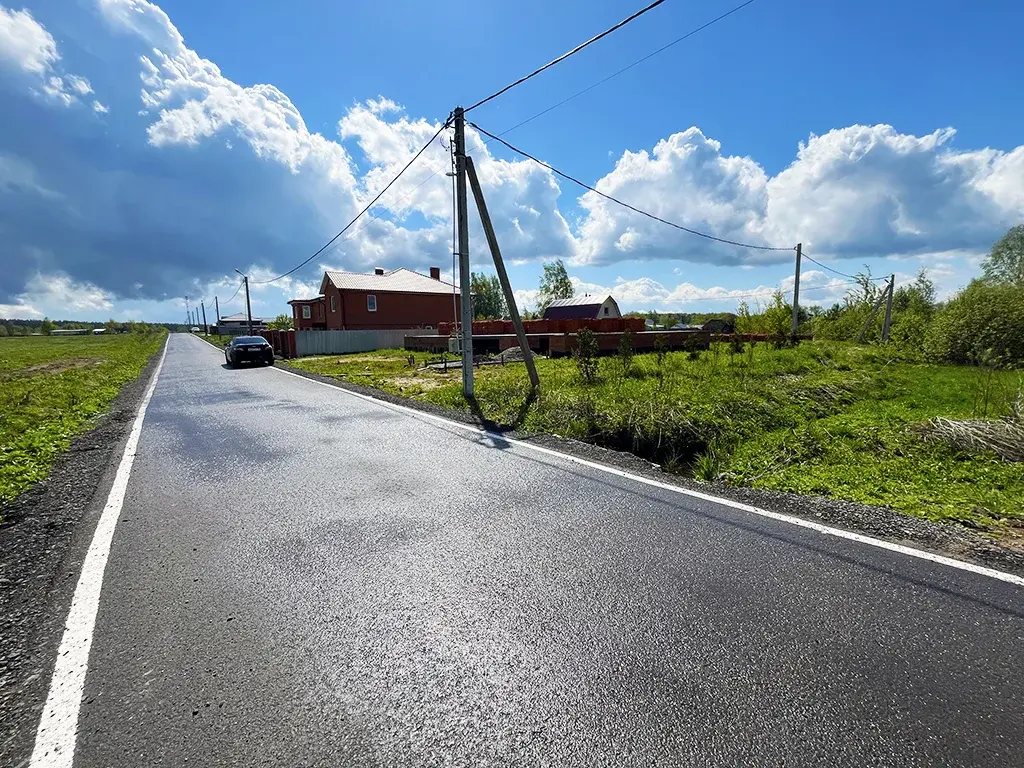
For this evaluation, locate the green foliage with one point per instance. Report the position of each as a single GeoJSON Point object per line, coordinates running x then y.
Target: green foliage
{"type": "Point", "coordinates": [983, 324]}
{"type": "Point", "coordinates": [554, 284]}
{"type": "Point", "coordinates": [625, 353]}
{"type": "Point", "coordinates": [282, 322]}
{"type": "Point", "coordinates": [46, 327]}
{"type": "Point", "coordinates": [1005, 263]}
{"type": "Point", "coordinates": [585, 355]}
{"type": "Point", "coordinates": [488, 298]}
{"type": "Point", "coordinates": [50, 389]}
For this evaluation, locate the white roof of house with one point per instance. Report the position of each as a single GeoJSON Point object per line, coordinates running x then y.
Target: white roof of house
{"type": "Point", "coordinates": [240, 317]}
{"type": "Point", "coordinates": [396, 281]}
{"type": "Point", "coordinates": [579, 301]}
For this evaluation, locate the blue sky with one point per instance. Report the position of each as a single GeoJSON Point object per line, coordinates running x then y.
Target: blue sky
{"type": "Point", "coordinates": [149, 149]}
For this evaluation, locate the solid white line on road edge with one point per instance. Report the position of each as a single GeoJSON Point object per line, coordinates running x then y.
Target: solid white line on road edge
{"type": "Point", "coordinates": [58, 727]}
{"type": "Point", "coordinates": [797, 521]}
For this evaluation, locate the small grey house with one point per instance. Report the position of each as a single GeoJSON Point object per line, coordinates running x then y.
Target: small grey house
{"type": "Point", "coordinates": [582, 307]}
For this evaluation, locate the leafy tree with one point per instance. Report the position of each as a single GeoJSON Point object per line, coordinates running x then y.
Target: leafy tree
{"type": "Point", "coordinates": [110, 326]}
{"type": "Point", "coordinates": [554, 284]}
{"type": "Point", "coordinates": [984, 322]}
{"type": "Point", "coordinates": [281, 323]}
{"type": "Point", "coordinates": [1005, 264]}
{"type": "Point", "coordinates": [585, 355]}
{"type": "Point", "coordinates": [3, 330]}
{"type": "Point", "coordinates": [46, 327]}
{"type": "Point", "coordinates": [488, 298]}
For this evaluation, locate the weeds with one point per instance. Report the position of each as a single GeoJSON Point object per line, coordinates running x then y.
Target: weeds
{"type": "Point", "coordinates": [585, 355]}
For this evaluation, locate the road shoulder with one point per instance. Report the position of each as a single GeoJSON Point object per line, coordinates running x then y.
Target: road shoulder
{"type": "Point", "coordinates": [879, 522]}
{"type": "Point", "coordinates": [44, 536]}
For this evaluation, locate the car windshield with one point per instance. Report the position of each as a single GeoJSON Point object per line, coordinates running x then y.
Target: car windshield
{"type": "Point", "coordinates": [249, 340]}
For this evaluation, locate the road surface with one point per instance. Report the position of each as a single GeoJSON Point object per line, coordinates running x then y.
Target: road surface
{"type": "Point", "coordinates": [300, 577]}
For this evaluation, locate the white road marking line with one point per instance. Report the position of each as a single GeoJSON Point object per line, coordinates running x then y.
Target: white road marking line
{"type": "Point", "coordinates": [58, 727]}
{"type": "Point", "coordinates": [797, 521]}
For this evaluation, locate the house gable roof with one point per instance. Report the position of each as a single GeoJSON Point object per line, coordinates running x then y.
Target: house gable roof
{"type": "Point", "coordinates": [396, 281]}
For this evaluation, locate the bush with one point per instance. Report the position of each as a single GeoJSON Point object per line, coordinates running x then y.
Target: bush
{"type": "Point", "coordinates": [984, 323]}
{"type": "Point", "coordinates": [585, 355]}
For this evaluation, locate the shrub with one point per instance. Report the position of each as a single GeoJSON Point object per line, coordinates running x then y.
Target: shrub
{"type": "Point", "coordinates": [626, 352]}
{"type": "Point", "coordinates": [585, 355]}
{"type": "Point", "coordinates": [983, 323]}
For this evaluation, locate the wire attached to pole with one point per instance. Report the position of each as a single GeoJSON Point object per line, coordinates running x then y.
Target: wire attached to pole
{"type": "Point", "coordinates": [566, 55]}
{"type": "Point", "coordinates": [627, 205]}
{"type": "Point", "coordinates": [364, 210]}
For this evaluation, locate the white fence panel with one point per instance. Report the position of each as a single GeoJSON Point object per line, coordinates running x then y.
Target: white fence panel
{"type": "Point", "coordinates": [344, 342]}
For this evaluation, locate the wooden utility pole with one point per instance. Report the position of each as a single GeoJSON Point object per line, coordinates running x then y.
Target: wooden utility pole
{"type": "Point", "coordinates": [206, 328]}
{"type": "Point", "coordinates": [887, 323]}
{"type": "Point", "coordinates": [796, 292]}
{"type": "Point", "coordinates": [248, 307]}
{"type": "Point", "coordinates": [465, 283]}
{"type": "Point", "coordinates": [499, 266]}
{"type": "Point", "coordinates": [871, 316]}
{"type": "Point", "coordinates": [216, 306]}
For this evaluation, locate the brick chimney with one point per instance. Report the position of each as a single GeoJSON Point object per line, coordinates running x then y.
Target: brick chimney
{"type": "Point", "coordinates": [378, 270]}
{"type": "Point", "coordinates": [435, 272]}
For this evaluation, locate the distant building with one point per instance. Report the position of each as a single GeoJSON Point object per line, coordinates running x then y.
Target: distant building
{"type": "Point", "coordinates": [582, 307]}
{"type": "Point", "coordinates": [719, 325]}
{"type": "Point", "coordinates": [239, 322]}
{"type": "Point", "coordinates": [398, 299]}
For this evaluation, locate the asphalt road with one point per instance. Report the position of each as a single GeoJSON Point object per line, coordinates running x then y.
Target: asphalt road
{"type": "Point", "coordinates": [303, 578]}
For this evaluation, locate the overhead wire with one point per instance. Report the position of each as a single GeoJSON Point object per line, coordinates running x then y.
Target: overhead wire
{"type": "Point", "coordinates": [566, 55]}
{"type": "Point", "coordinates": [633, 208]}
{"type": "Point", "coordinates": [830, 269]}
{"type": "Point", "coordinates": [363, 211]}
{"type": "Point", "coordinates": [628, 67]}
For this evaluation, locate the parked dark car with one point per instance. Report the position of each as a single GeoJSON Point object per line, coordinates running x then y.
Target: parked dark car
{"type": "Point", "coordinates": [248, 349]}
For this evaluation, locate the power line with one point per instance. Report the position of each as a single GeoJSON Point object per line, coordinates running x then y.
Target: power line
{"type": "Point", "coordinates": [628, 67]}
{"type": "Point", "coordinates": [240, 283]}
{"type": "Point", "coordinates": [627, 205]}
{"type": "Point", "coordinates": [565, 56]}
{"type": "Point", "coordinates": [830, 269]}
{"type": "Point", "coordinates": [358, 215]}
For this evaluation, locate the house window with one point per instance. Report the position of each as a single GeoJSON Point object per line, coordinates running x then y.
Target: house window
{"type": "Point", "coordinates": [334, 303]}
{"type": "Point", "coordinates": [606, 310]}
{"type": "Point", "coordinates": [306, 314]}
{"type": "Point", "coordinates": [371, 303]}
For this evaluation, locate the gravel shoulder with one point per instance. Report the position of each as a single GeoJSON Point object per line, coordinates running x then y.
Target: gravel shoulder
{"type": "Point", "coordinates": [43, 539]}
{"type": "Point", "coordinates": [880, 522]}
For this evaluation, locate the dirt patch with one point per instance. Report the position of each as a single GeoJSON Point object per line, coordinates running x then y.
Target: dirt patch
{"type": "Point", "coordinates": [346, 359]}
{"type": "Point", "coordinates": [423, 384]}
{"type": "Point", "coordinates": [54, 367]}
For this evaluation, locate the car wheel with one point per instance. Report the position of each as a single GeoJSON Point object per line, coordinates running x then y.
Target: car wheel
{"type": "Point", "coordinates": [270, 361]}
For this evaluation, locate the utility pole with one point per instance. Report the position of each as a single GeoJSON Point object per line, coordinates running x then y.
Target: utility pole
{"type": "Point", "coordinates": [874, 311]}
{"type": "Point", "coordinates": [216, 304]}
{"type": "Point", "coordinates": [796, 291]}
{"type": "Point", "coordinates": [206, 328]}
{"type": "Point", "coordinates": [465, 283]}
{"type": "Point", "coordinates": [248, 307]}
{"type": "Point", "coordinates": [887, 323]}
{"type": "Point", "coordinates": [499, 266]}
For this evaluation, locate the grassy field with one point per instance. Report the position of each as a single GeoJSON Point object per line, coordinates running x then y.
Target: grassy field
{"type": "Point", "coordinates": [828, 419]}
{"type": "Point", "coordinates": [51, 388]}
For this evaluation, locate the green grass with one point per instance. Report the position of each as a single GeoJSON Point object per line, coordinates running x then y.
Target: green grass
{"type": "Point", "coordinates": [823, 418]}
{"type": "Point", "coordinates": [51, 389]}
{"type": "Point", "coordinates": [220, 341]}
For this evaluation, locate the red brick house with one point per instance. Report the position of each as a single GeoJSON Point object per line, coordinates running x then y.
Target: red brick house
{"type": "Point", "coordinates": [400, 298]}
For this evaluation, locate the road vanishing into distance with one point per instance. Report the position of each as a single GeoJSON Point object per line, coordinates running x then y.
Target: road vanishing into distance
{"type": "Point", "coordinates": [303, 577]}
